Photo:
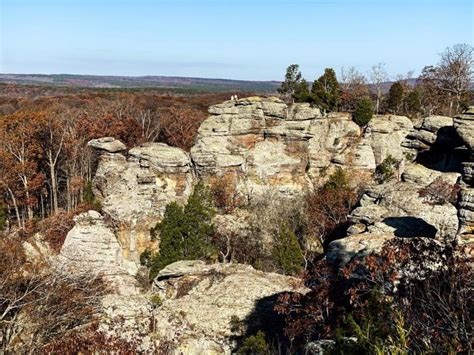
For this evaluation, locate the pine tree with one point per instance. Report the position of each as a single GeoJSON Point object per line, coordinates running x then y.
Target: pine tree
{"type": "Point", "coordinates": [292, 81]}
{"type": "Point", "coordinates": [395, 97]}
{"type": "Point", "coordinates": [413, 102]}
{"type": "Point", "coordinates": [302, 93]}
{"type": "Point", "coordinates": [326, 92]}
{"type": "Point", "coordinates": [287, 253]}
{"type": "Point", "coordinates": [364, 111]}
{"type": "Point", "coordinates": [185, 232]}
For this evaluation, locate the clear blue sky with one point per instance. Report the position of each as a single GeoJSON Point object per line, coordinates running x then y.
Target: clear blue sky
{"type": "Point", "coordinates": [240, 39]}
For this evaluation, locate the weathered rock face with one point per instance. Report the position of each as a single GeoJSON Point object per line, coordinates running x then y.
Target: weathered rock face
{"type": "Point", "coordinates": [464, 125]}
{"type": "Point", "coordinates": [200, 300]}
{"type": "Point", "coordinates": [264, 144]}
{"type": "Point", "coordinates": [135, 189]}
{"type": "Point", "coordinates": [190, 308]}
{"type": "Point", "coordinates": [397, 208]}
{"type": "Point", "coordinates": [385, 134]}
{"type": "Point", "coordinates": [92, 245]}
{"type": "Point", "coordinates": [256, 144]}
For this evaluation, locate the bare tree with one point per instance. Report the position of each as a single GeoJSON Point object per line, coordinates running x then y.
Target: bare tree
{"type": "Point", "coordinates": [378, 75]}
{"type": "Point", "coordinates": [354, 87]}
{"type": "Point", "coordinates": [455, 72]}
{"type": "Point", "coordinates": [40, 303]}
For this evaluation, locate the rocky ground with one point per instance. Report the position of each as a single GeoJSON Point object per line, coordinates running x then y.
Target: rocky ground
{"type": "Point", "coordinates": [259, 145]}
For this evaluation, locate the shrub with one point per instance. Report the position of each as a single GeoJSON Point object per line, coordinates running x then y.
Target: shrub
{"type": "Point", "coordinates": [337, 180]}
{"type": "Point", "coordinates": [156, 300]}
{"type": "Point", "coordinates": [440, 192]}
{"type": "Point", "coordinates": [224, 194]}
{"type": "Point", "coordinates": [386, 170]}
{"type": "Point", "coordinates": [254, 344]}
{"type": "Point", "coordinates": [185, 232]}
{"type": "Point", "coordinates": [363, 112]}
{"type": "Point", "coordinates": [383, 294]}
{"type": "Point", "coordinates": [265, 218]}
{"type": "Point", "coordinates": [328, 207]}
{"type": "Point", "coordinates": [50, 301]}
{"type": "Point", "coordinates": [287, 253]}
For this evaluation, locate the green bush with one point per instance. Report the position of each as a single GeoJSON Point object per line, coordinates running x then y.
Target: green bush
{"type": "Point", "coordinates": [156, 300]}
{"type": "Point", "coordinates": [386, 170]}
{"type": "Point", "coordinates": [185, 232]}
{"type": "Point", "coordinates": [287, 253]}
{"type": "Point", "coordinates": [255, 344]}
{"type": "Point", "coordinates": [395, 97]}
{"type": "Point", "coordinates": [364, 111]}
{"type": "Point", "coordinates": [337, 180]}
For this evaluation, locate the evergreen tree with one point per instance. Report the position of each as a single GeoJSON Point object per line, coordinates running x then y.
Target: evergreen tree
{"type": "Point", "coordinates": [292, 81]}
{"type": "Point", "coordinates": [185, 232]}
{"type": "Point", "coordinates": [364, 111]}
{"type": "Point", "coordinates": [395, 97]}
{"type": "Point", "coordinates": [413, 102]}
{"type": "Point", "coordinates": [302, 93]}
{"type": "Point", "coordinates": [287, 253]}
{"type": "Point", "coordinates": [326, 92]}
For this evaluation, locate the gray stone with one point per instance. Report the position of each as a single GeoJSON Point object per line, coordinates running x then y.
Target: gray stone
{"type": "Point", "coordinates": [107, 144]}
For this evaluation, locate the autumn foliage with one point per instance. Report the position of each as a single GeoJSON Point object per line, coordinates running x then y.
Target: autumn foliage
{"type": "Point", "coordinates": [45, 163]}
{"type": "Point", "coordinates": [397, 299]}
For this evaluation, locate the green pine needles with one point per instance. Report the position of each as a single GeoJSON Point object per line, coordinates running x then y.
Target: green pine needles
{"type": "Point", "coordinates": [185, 233]}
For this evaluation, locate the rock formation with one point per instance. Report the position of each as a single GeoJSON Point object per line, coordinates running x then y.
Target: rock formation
{"type": "Point", "coordinates": [194, 307]}
{"type": "Point", "coordinates": [135, 187]}
{"type": "Point", "coordinates": [260, 145]}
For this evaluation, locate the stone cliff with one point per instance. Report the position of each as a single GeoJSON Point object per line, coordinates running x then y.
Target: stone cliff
{"type": "Point", "coordinates": [258, 145]}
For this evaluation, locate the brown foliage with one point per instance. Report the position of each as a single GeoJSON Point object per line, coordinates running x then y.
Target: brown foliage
{"type": "Point", "coordinates": [224, 193]}
{"type": "Point", "coordinates": [430, 284]}
{"type": "Point", "coordinates": [89, 340]}
{"type": "Point", "coordinates": [179, 126]}
{"type": "Point", "coordinates": [440, 192]}
{"type": "Point", "coordinates": [327, 211]}
{"type": "Point", "coordinates": [39, 303]}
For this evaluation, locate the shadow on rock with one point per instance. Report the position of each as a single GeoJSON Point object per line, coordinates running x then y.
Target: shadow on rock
{"type": "Point", "coordinates": [411, 227]}
{"type": "Point", "coordinates": [264, 318]}
{"type": "Point", "coordinates": [446, 154]}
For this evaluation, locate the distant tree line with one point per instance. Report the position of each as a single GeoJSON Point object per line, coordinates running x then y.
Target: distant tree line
{"type": "Point", "coordinates": [443, 89]}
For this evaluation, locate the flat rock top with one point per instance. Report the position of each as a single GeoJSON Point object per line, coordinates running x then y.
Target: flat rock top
{"type": "Point", "coordinates": [108, 144]}
{"type": "Point", "coordinates": [161, 153]}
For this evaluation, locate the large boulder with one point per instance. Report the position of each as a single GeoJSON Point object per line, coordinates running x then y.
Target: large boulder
{"type": "Point", "coordinates": [92, 245]}
{"type": "Point", "coordinates": [385, 134]}
{"type": "Point", "coordinates": [398, 208]}
{"type": "Point", "coordinates": [195, 308]}
{"type": "Point", "coordinates": [464, 125]}
{"type": "Point", "coordinates": [201, 303]}
{"type": "Point", "coordinates": [135, 189]}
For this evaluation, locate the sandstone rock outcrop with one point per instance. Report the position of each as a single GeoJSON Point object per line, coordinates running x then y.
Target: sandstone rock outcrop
{"type": "Point", "coordinates": [396, 207]}
{"type": "Point", "coordinates": [264, 144]}
{"type": "Point", "coordinates": [92, 245]}
{"type": "Point", "coordinates": [193, 306]}
{"type": "Point", "coordinates": [198, 306]}
{"type": "Point", "coordinates": [464, 125]}
{"type": "Point", "coordinates": [135, 188]}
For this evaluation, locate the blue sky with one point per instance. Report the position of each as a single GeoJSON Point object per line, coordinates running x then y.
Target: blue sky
{"type": "Point", "coordinates": [241, 39]}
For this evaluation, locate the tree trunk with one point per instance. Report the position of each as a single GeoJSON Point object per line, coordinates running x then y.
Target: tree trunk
{"type": "Point", "coordinates": [15, 206]}
{"type": "Point", "coordinates": [54, 184]}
